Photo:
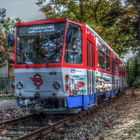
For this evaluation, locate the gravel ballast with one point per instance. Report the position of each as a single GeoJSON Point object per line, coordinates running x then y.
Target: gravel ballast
{"type": "Point", "coordinates": [117, 121]}
{"type": "Point", "coordinates": [9, 110]}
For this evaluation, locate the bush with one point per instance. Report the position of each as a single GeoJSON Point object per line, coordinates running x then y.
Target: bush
{"type": "Point", "coordinates": [133, 71]}
{"type": "Point", "coordinates": [136, 84]}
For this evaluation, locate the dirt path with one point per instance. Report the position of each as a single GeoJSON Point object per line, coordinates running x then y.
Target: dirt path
{"type": "Point", "coordinates": [127, 125]}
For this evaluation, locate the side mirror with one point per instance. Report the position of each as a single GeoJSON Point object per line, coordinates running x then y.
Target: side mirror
{"type": "Point", "coordinates": [11, 39]}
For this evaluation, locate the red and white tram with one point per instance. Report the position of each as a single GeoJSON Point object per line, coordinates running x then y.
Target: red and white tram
{"type": "Point", "coordinates": [66, 63]}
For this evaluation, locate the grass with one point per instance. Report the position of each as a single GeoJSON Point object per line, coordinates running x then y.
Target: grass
{"type": "Point", "coordinates": [7, 97]}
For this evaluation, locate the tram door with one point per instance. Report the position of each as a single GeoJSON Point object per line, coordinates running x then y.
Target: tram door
{"type": "Point", "coordinates": [90, 72]}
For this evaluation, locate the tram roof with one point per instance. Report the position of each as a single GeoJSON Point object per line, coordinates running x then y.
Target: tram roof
{"type": "Point", "coordinates": [98, 36]}
{"type": "Point", "coordinates": [101, 39]}
{"type": "Point", "coordinates": [40, 22]}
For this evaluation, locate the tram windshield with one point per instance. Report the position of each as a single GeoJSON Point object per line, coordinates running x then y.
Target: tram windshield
{"type": "Point", "coordinates": [40, 44]}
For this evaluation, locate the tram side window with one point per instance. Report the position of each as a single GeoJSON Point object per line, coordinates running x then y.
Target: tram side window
{"type": "Point", "coordinates": [101, 55]}
{"type": "Point", "coordinates": [121, 69]}
{"type": "Point", "coordinates": [122, 72]}
{"type": "Point", "coordinates": [108, 62]}
{"type": "Point", "coordinates": [116, 68]}
{"type": "Point", "coordinates": [113, 66]}
{"type": "Point", "coordinates": [74, 44]}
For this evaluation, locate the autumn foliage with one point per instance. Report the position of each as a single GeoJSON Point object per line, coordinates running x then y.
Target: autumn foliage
{"type": "Point", "coordinates": [113, 20]}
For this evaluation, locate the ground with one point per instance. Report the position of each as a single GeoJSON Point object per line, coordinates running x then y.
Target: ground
{"type": "Point", "coordinates": [119, 120]}
{"type": "Point", "coordinates": [127, 125]}
{"type": "Point", "coordinates": [9, 109]}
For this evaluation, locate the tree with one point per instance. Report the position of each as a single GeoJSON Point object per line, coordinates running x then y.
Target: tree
{"type": "Point", "coordinates": [6, 27]}
{"type": "Point", "coordinates": [136, 22]}
{"type": "Point", "coordinates": [112, 20]}
{"type": "Point", "coordinates": [133, 71]}
{"type": "Point", "coordinates": [2, 13]}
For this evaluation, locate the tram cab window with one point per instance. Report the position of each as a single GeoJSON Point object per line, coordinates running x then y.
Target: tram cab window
{"type": "Point", "coordinates": [108, 62]}
{"type": "Point", "coordinates": [73, 44]}
{"type": "Point", "coordinates": [101, 55]}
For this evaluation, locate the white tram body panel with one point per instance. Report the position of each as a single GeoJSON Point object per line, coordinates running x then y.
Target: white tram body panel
{"type": "Point", "coordinates": [59, 83]}
{"type": "Point", "coordinates": [40, 81]}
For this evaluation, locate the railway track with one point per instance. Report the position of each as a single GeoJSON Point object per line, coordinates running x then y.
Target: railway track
{"type": "Point", "coordinates": [17, 127]}
{"type": "Point", "coordinates": [35, 126]}
{"type": "Point", "coordinates": [20, 128]}
{"type": "Point", "coordinates": [19, 119]}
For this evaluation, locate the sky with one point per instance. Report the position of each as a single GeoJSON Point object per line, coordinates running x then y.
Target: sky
{"type": "Point", "coordinates": [26, 10]}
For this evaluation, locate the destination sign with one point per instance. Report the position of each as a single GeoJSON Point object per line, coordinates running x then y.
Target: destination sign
{"type": "Point", "coordinates": [39, 29]}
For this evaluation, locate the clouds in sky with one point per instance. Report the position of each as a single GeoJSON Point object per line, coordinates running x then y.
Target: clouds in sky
{"type": "Point", "coordinates": [26, 10]}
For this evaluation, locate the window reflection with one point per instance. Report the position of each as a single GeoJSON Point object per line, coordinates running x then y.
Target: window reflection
{"type": "Point", "coordinates": [108, 63]}
{"type": "Point", "coordinates": [40, 44]}
{"type": "Point", "coordinates": [101, 55]}
{"type": "Point", "coordinates": [74, 44]}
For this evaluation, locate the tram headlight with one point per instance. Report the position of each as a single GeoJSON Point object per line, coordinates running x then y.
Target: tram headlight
{"type": "Point", "coordinates": [19, 85]}
{"type": "Point", "coordinates": [56, 85]}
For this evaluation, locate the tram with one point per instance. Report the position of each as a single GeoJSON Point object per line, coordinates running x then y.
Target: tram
{"type": "Point", "coordinates": [65, 63]}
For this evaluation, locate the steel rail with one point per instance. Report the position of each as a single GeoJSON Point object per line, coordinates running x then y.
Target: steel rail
{"type": "Point", "coordinates": [15, 120]}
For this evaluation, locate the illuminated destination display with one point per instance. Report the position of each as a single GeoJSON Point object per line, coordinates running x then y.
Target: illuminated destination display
{"type": "Point", "coordinates": [38, 29]}
{"type": "Point", "coordinates": [41, 29]}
